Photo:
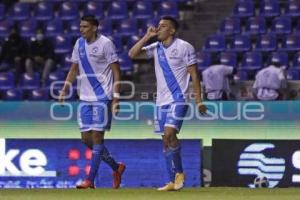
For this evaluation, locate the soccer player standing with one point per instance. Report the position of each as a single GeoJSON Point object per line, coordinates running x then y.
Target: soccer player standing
{"type": "Point", "coordinates": [175, 63]}
{"type": "Point", "coordinates": [95, 60]}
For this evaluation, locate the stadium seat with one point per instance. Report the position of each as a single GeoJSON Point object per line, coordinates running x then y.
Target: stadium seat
{"type": "Point", "coordinates": [243, 75]}
{"type": "Point", "coordinates": [292, 8]}
{"type": "Point", "coordinates": [19, 11]}
{"type": "Point", "coordinates": [297, 27]}
{"type": "Point", "coordinates": [44, 11]}
{"type": "Point", "coordinates": [7, 81]}
{"type": "Point", "coordinates": [13, 95]}
{"type": "Point", "coordinates": [74, 28]}
{"type": "Point", "coordinates": [132, 41]}
{"type": "Point", "coordinates": [252, 61]}
{"type": "Point", "coordinates": [214, 43]}
{"type": "Point", "coordinates": [296, 61]}
{"type": "Point", "coordinates": [94, 8]}
{"type": "Point", "coordinates": [118, 10]}
{"type": "Point", "coordinates": [40, 94]}
{"type": "Point", "coordinates": [228, 58]}
{"type": "Point", "coordinates": [143, 10]}
{"type": "Point", "coordinates": [62, 44]}
{"type": "Point", "coordinates": [230, 26]}
{"type": "Point", "coordinates": [266, 43]}
{"type": "Point", "coordinates": [240, 43]}
{"type": "Point", "coordinates": [203, 60]}
{"type": "Point", "coordinates": [54, 27]}
{"type": "Point", "coordinates": [127, 27]}
{"type": "Point", "coordinates": [243, 9]}
{"type": "Point", "coordinates": [282, 25]}
{"type": "Point", "coordinates": [28, 28]}
{"type": "Point", "coordinates": [269, 8]}
{"type": "Point", "coordinates": [256, 25]}
{"type": "Point", "coordinates": [291, 42]}
{"type": "Point", "coordinates": [279, 56]}
{"type": "Point", "coordinates": [168, 8]}
{"type": "Point", "coordinates": [30, 82]}
{"type": "Point", "coordinates": [126, 64]}
{"type": "Point", "coordinates": [55, 76]}
{"type": "Point", "coordinates": [5, 26]}
{"type": "Point", "coordinates": [117, 40]}
{"type": "Point", "coordinates": [69, 11]}
{"type": "Point", "coordinates": [293, 74]}
{"type": "Point", "coordinates": [105, 27]}
{"type": "Point", "coordinates": [2, 11]}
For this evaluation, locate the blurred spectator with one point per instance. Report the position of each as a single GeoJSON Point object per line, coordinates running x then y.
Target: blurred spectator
{"type": "Point", "coordinates": [216, 81]}
{"type": "Point", "coordinates": [13, 53]}
{"type": "Point", "coordinates": [41, 56]}
{"type": "Point", "coordinates": [270, 83]}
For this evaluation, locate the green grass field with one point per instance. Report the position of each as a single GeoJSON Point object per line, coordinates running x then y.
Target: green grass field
{"type": "Point", "coordinates": [124, 194]}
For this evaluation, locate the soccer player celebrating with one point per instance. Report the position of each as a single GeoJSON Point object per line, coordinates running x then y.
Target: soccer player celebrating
{"type": "Point", "coordinates": [175, 63]}
{"type": "Point", "coordinates": [95, 60]}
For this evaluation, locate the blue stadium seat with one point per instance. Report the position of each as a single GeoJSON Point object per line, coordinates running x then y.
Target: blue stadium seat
{"type": "Point", "coordinates": [40, 94]}
{"type": "Point", "coordinates": [293, 74]}
{"type": "Point", "coordinates": [168, 8]}
{"type": "Point", "coordinates": [132, 41]}
{"type": "Point", "coordinates": [5, 26]}
{"type": "Point", "coordinates": [30, 82]}
{"type": "Point", "coordinates": [296, 61]}
{"type": "Point", "coordinates": [269, 8]}
{"type": "Point", "coordinates": [126, 64]}
{"type": "Point", "coordinates": [240, 43]}
{"type": "Point", "coordinates": [19, 11]}
{"type": "Point", "coordinates": [94, 8]}
{"type": "Point", "coordinates": [69, 11]}
{"type": "Point", "coordinates": [230, 26]}
{"type": "Point", "coordinates": [143, 10]}
{"type": "Point", "coordinates": [292, 8]}
{"type": "Point", "coordinates": [44, 11]}
{"type": "Point", "coordinates": [118, 10]}
{"type": "Point", "coordinates": [297, 26]}
{"type": "Point", "coordinates": [203, 60]}
{"type": "Point", "coordinates": [243, 75]}
{"type": "Point", "coordinates": [13, 95]}
{"type": "Point", "coordinates": [105, 26]}
{"type": "Point", "coordinates": [214, 43]}
{"type": "Point", "coordinates": [28, 28]}
{"type": "Point", "coordinates": [147, 23]}
{"type": "Point", "coordinates": [54, 27]}
{"type": "Point", "coordinates": [55, 76]}
{"type": "Point", "coordinates": [62, 44]}
{"type": "Point", "coordinates": [282, 25]}
{"type": "Point", "coordinates": [266, 43]}
{"type": "Point", "coordinates": [127, 27]}
{"type": "Point", "coordinates": [291, 42]}
{"type": "Point", "coordinates": [280, 57]}
{"type": "Point", "coordinates": [117, 40]}
{"type": "Point", "coordinates": [7, 80]}
{"type": "Point", "coordinates": [252, 61]}
{"type": "Point", "coordinates": [2, 11]}
{"type": "Point", "coordinates": [74, 28]}
{"type": "Point", "coordinates": [243, 9]}
{"type": "Point", "coordinates": [228, 58]}
{"type": "Point", "coordinates": [256, 25]}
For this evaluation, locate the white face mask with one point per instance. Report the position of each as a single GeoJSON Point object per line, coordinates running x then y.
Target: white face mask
{"type": "Point", "coordinates": [39, 36]}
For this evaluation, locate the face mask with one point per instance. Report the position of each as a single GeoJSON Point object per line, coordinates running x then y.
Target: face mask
{"type": "Point", "coordinates": [39, 37]}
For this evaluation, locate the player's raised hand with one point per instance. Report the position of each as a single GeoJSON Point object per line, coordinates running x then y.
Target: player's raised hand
{"type": "Point", "coordinates": [201, 108]}
{"type": "Point", "coordinates": [151, 32]}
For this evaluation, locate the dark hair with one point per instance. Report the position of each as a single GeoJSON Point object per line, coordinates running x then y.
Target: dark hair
{"type": "Point", "coordinates": [91, 19]}
{"type": "Point", "coordinates": [173, 21]}
{"type": "Point", "coordinates": [275, 63]}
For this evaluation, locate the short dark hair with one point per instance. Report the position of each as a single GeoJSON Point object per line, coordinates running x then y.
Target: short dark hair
{"type": "Point", "coordinates": [91, 19]}
{"type": "Point", "coordinates": [276, 63]}
{"type": "Point", "coordinates": [173, 21]}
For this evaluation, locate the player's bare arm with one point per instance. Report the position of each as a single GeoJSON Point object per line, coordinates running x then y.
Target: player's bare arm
{"type": "Point", "coordinates": [69, 80]}
{"type": "Point", "coordinates": [115, 67]}
{"type": "Point", "coordinates": [136, 51]}
{"type": "Point", "coordinates": [197, 88]}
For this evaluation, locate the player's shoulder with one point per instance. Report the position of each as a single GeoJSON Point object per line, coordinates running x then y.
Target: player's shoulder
{"type": "Point", "coordinates": [184, 43]}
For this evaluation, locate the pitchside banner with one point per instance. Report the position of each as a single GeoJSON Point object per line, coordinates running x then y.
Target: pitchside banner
{"type": "Point", "coordinates": [238, 162]}
{"type": "Point", "coordinates": [62, 163]}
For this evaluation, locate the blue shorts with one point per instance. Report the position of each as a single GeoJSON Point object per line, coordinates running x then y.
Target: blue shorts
{"type": "Point", "coordinates": [94, 116]}
{"type": "Point", "coordinates": [170, 115]}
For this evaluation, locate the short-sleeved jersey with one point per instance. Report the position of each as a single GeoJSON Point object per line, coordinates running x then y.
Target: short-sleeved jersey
{"type": "Point", "coordinates": [268, 81]}
{"type": "Point", "coordinates": [215, 80]}
{"type": "Point", "coordinates": [95, 75]}
{"type": "Point", "coordinates": [171, 65]}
